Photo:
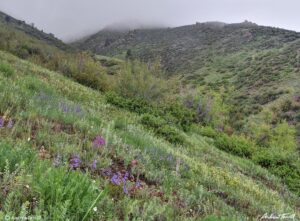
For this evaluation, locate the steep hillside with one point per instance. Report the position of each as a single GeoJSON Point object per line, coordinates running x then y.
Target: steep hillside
{"type": "Point", "coordinates": [27, 42]}
{"type": "Point", "coordinates": [261, 64]}
{"type": "Point", "coordinates": [66, 153]}
{"type": "Point", "coordinates": [30, 30]}
{"type": "Point", "coordinates": [186, 49]}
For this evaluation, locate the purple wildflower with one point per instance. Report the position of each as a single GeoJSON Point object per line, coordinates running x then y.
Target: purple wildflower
{"type": "Point", "coordinates": [57, 160]}
{"type": "Point", "coordinates": [115, 179]}
{"type": "Point", "coordinates": [75, 162]}
{"type": "Point", "coordinates": [125, 189]}
{"type": "Point", "coordinates": [118, 179]}
{"type": "Point", "coordinates": [170, 157]}
{"type": "Point", "coordinates": [64, 107]}
{"type": "Point", "coordinates": [77, 109]}
{"type": "Point", "coordinates": [94, 165]}
{"type": "Point", "coordinates": [125, 177]}
{"type": "Point", "coordinates": [138, 184]}
{"type": "Point", "coordinates": [10, 124]}
{"type": "Point", "coordinates": [98, 142]}
{"type": "Point", "coordinates": [1, 122]}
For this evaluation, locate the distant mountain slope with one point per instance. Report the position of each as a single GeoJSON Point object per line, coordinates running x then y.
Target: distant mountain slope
{"type": "Point", "coordinates": [30, 30]}
{"type": "Point", "coordinates": [188, 48]}
{"type": "Point", "coordinates": [261, 63]}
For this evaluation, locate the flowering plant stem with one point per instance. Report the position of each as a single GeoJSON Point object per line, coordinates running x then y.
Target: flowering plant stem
{"type": "Point", "coordinates": [94, 203]}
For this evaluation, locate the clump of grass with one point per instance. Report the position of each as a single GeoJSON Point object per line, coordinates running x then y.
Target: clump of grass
{"type": "Point", "coordinates": [6, 70]}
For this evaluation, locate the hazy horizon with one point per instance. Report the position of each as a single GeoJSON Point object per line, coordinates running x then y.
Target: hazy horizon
{"type": "Point", "coordinates": [73, 19]}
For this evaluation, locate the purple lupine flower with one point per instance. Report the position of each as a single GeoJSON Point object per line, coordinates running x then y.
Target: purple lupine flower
{"type": "Point", "coordinates": [118, 179]}
{"type": "Point", "coordinates": [115, 179]}
{"type": "Point", "coordinates": [64, 107]}
{"type": "Point", "coordinates": [125, 177]}
{"type": "Point", "coordinates": [98, 142]}
{"type": "Point", "coordinates": [10, 124]}
{"type": "Point", "coordinates": [94, 165]}
{"type": "Point", "coordinates": [75, 161]}
{"type": "Point", "coordinates": [1, 122]}
{"type": "Point", "coordinates": [77, 109]}
{"type": "Point", "coordinates": [125, 189]}
{"type": "Point", "coordinates": [57, 160]}
{"type": "Point", "coordinates": [138, 184]}
{"type": "Point", "coordinates": [170, 157]}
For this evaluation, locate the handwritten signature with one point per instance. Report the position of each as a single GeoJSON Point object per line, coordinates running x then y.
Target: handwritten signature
{"type": "Point", "coordinates": [284, 216]}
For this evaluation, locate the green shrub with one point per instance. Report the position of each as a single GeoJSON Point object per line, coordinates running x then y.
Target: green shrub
{"type": "Point", "coordinates": [63, 194]}
{"type": "Point", "coordinates": [135, 105]}
{"type": "Point", "coordinates": [235, 144]}
{"type": "Point", "coordinates": [90, 80]}
{"type": "Point", "coordinates": [180, 115]}
{"type": "Point", "coordinates": [208, 132]}
{"type": "Point", "coordinates": [139, 80]}
{"type": "Point", "coordinates": [14, 156]}
{"type": "Point", "coordinates": [173, 113]}
{"type": "Point", "coordinates": [6, 70]}
{"type": "Point", "coordinates": [152, 122]}
{"type": "Point", "coordinates": [161, 128]}
{"type": "Point", "coordinates": [120, 123]}
{"type": "Point", "coordinates": [171, 134]}
{"type": "Point", "coordinates": [282, 164]}
{"type": "Point", "coordinates": [270, 157]}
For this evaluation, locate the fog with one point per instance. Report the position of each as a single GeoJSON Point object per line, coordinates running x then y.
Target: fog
{"type": "Point", "coordinates": [72, 19]}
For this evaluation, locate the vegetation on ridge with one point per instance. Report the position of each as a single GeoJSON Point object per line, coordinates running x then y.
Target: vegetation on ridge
{"type": "Point", "coordinates": [87, 137]}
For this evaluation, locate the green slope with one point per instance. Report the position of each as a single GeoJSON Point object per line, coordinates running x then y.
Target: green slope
{"type": "Point", "coordinates": [20, 26]}
{"type": "Point", "coordinates": [53, 116]}
{"type": "Point", "coordinates": [261, 64]}
{"type": "Point", "coordinates": [186, 49]}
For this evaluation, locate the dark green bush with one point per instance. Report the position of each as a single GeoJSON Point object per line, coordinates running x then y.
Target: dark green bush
{"type": "Point", "coordinates": [281, 164]}
{"type": "Point", "coordinates": [208, 132]}
{"type": "Point", "coordinates": [91, 80]}
{"type": "Point", "coordinates": [181, 115]}
{"type": "Point", "coordinates": [161, 128]}
{"type": "Point", "coordinates": [268, 158]}
{"type": "Point", "coordinates": [236, 145]}
{"type": "Point", "coordinates": [171, 134]}
{"type": "Point", "coordinates": [153, 122]}
{"type": "Point", "coordinates": [173, 113]}
{"type": "Point", "coordinates": [135, 105]}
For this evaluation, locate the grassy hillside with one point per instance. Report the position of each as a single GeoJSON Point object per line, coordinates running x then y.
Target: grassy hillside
{"type": "Point", "coordinates": [31, 31]}
{"type": "Point", "coordinates": [66, 153]}
{"type": "Point", "coordinates": [258, 66]}
{"type": "Point", "coordinates": [129, 141]}
{"type": "Point", "coordinates": [27, 42]}
{"type": "Point", "coordinates": [184, 50]}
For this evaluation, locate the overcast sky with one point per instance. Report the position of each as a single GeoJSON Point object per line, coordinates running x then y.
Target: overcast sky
{"type": "Point", "coordinates": [69, 19]}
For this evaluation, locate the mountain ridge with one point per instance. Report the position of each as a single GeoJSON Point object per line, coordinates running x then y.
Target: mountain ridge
{"type": "Point", "coordinates": [32, 31]}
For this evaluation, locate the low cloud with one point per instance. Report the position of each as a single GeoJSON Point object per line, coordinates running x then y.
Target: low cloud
{"type": "Point", "coordinates": [71, 19]}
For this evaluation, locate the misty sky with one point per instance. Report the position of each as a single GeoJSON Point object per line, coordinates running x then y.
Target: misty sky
{"type": "Point", "coordinates": [69, 19]}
